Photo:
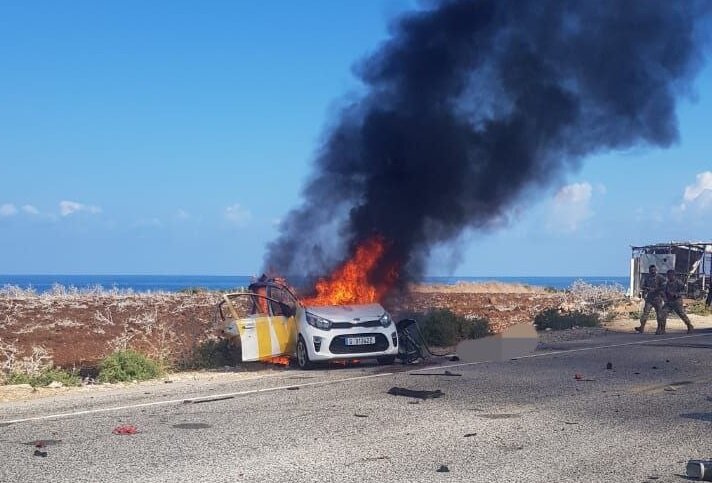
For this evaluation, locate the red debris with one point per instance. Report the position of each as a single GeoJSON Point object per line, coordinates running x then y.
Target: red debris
{"type": "Point", "coordinates": [125, 429]}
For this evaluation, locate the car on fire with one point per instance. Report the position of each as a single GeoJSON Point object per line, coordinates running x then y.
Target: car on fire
{"type": "Point", "coordinates": [270, 321]}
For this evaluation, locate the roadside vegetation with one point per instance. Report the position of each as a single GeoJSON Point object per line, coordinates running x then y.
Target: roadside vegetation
{"type": "Point", "coordinates": [128, 365]}
{"type": "Point", "coordinates": [554, 319]}
{"type": "Point", "coordinates": [44, 378]}
{"type": "Point", "coordinates": [444, 328]}
{"type": "Point", "coordinates": [211, 354]}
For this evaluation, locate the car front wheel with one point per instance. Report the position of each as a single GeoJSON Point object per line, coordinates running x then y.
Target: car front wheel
{"type": "Point", "coordinates": [303, 355]}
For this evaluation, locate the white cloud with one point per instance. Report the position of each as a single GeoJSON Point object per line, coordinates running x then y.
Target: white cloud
{"type": "Point", "coordinates": [30, 210]}
{"type": "Point", "coordinates": [699, 194]}
{"type": "Point", "coordinates": [182, 215]}
{"type": "Point", "coordinates": [571, 206]}
{"type": "Point", "coordinates": [67, 208]}
{"type": "Point", "coordinates": [8, 209]}
{"type": "Point", "coordinates": [238, 215]}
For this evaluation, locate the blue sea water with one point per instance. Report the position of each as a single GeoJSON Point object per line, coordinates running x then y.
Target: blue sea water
{"type": "Point", "coordinates": [174, 283]}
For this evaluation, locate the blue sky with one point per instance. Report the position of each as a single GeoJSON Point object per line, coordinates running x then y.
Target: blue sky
{"type": "Point", "coordinates": [170, 138]}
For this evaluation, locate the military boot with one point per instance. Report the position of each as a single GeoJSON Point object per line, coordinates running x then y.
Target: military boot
{"type": "Point", "coordinates": [661, 328]}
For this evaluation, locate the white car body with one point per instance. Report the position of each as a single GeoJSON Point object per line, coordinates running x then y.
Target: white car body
{"type": "Point", "coordinates": [270, 321]}
{"type": "Point", "coordinates": [356, 333]}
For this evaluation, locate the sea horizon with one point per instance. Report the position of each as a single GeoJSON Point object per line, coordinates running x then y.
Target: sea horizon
{"type": "Point", "coordinates": [174, 283]}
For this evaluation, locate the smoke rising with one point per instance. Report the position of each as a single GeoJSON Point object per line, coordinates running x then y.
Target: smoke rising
{"type": "Point", "coordinates": [470, 106]}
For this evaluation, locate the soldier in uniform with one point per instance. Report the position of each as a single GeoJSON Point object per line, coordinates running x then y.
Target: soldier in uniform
{"type": "Point", "coordinates": [708, 302]}
{"type": "Point", "coordinates": [674, 290]}
{"type": "Point", "coordinates": [652, 288]}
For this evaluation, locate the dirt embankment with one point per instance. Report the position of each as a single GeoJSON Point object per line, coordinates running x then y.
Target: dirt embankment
{"type": "Point", "coordinates": [81, 328]}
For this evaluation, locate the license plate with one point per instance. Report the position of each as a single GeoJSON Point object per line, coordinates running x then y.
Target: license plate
{"type": "Point", "coordinates": [360, 340]}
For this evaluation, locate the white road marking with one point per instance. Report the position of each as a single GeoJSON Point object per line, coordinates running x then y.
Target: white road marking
{"type": "Point", "coordinates": [327, 382]}
{"type": "Point", "coordinates": [191, 400]}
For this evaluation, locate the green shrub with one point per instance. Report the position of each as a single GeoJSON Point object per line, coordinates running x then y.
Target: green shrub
{"type": "Point", "coordinates": [44, 378]}
{"type": "Point", "coordinates": [444, 328]}
{"type": "Point", "coordinates": [698, 308]}
{"type": "Point", "coordinates": [128, 365]}
{"type": "Point", "coordinates": [555, 320]}
{"type": "Point", "coordinates": [211, 354]}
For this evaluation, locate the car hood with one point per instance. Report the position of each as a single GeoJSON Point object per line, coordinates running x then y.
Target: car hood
{"type": "Point", "coordinates": [348, 313]}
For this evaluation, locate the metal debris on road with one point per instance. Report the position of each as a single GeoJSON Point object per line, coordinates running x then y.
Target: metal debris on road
{"type": "Point", "coordinates": [361, 415]}
{"type": "Point", "coordinates": [699, 470]}
{"type": "Point", "coordinates": [579, 377]}
{"type": "Point", "coordinates": [400, 391]}
{"type": "Point", "coordinates": [469, 435]}
{"type": "Point", "coordinates": [446, 373]}
{"type": "Point", "coordinates": [443, 469]}
{"type": "Point", "coordinates": [292, 388]}
{"type": "Point", "coordinates": [198, 401]}
{"type": "Point", "coordinates": [43, 454]}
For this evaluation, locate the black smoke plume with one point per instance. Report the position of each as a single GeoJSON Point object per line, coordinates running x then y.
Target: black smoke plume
{"type": "Point", "coordinates": [470, 106]}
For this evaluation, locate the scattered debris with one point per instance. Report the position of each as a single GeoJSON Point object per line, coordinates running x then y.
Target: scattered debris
{"type": "Point", "coordinates": [400, 391]}
{"type": "Point", "coordinates": [55, 385]}
{"type": "Point", "coordinates": [654, 367]}
{"type": "Point", "coordinates": [292, 388]}
{"type": "Point", "coordinates": [609, 366]}
{"type": "Point", "coordinates": [125, 429]}
{"type": "Point", "coordinates": [670, 389]}
{"type": "Point", "coordinates": [637, 373]}
{"type": "Point", "coordinates": [167, 381]}
{"type": "Point", "coordinates": [198, 401]}
{"type": "Point", "coordinates": [43, 454]}
{"type": "Point", "coordinates": [361, 415]}
{"type": "Point", "coordinates": [469, 435]}
{"type": "Point", "coordinates": [41, 443]}
{"type": "Point", "coordinates": [369, 458]}
{"type": "Point", "coordinates": [699, 470]}
{"type": "Point", "coordinates": [570, 422]}
{"type": "Point", "coordinates": [192, 426]}
{"type": "Point", "coordinates": [446, 373]}
{"type": "Point", "coordinates": [579, 377]}
{"type": "Point", "coordinates": [443, 469]}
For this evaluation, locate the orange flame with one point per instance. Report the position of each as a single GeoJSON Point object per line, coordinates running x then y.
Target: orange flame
{"type": "Point", "coordinates": [349, 283]}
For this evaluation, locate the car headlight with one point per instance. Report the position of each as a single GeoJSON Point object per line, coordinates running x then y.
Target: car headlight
{"type": "Point", "coordinates": [385, 320]}
{"type": "Point", "coordinates": [318, 322]}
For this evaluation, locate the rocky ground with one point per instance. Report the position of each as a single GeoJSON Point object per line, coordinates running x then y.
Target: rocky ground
{"type": "Point", "coordinates": [78, 329]}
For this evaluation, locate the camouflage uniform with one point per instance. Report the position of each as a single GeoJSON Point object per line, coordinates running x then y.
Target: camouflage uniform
{"type": "Point", "coordinates": [673, 292]}
{"type": "Point", "coordinates": [653, 286]}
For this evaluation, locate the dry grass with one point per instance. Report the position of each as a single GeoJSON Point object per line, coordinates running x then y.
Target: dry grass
{"type": "Point", "coordinates": [86, 325]}
{"type": "Point", "coordinates": [476, 287]}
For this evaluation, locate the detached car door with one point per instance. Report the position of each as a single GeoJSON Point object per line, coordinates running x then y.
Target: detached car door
{"type": "Point", "coordinates": [266, 327]}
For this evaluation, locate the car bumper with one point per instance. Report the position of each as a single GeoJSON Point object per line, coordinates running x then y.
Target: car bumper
{"type": "Point", "coordinates": [324, 345]}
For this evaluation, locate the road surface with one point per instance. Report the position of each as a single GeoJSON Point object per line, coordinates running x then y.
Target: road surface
{"type": "Point", "coordinates": [528, 419]}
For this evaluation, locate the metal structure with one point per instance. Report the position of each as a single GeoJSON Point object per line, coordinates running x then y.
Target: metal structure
{"type": "Point", "coordinates": [691, 260]}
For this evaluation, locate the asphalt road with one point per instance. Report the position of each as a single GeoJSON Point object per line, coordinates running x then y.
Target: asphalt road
{"type": "Point", "coordinates": [528, 419]}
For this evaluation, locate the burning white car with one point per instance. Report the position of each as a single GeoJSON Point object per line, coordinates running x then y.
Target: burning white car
{"type": "Point", "coordinates": [270, 321]}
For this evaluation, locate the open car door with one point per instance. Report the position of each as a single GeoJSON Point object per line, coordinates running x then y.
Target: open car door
{"type": "Point", "coordinates": [266, 326]}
